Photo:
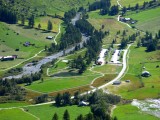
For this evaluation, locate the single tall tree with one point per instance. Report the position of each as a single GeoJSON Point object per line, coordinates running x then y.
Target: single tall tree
{"type": "Point", "coordinates": [55, 116]}
{"type": "Point", "coordinates": [66, 115]}
{"type": "Point", "coordinates": [39, 26]}
{"type": "Point", "coordinates": [58, 99]}
{"type": "Point", "coordinates": [22, 19]}
{"type": "Point", "coordinates": [138, 43]}
{"type": "Point", "coordinates": [31, 21]}
{"type": "Point", "coordinates": [80, 117]}
{"type": "Point", "coordinates": [49, 25]}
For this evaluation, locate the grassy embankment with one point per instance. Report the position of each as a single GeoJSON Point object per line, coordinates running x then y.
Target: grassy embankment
{"type": "Point", "coordinates": [15, 114]}
{"type": "Point", "coordinates": [129, 112]}
{"type": "Point", "coordinates": [12, 104]}
{"type": "Point", "coordinates": [59, 6]}
{"type": "Point", "coordinates": [132, 2]}
{"type": "Point", "coordinates": [43, 112]}
{"type": "Point", "coordinates": [46, 112]}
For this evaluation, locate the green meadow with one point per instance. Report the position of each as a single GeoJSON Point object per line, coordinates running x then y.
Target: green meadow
{"type": "Point", "coordinates": [59, 6]}
{"type": "Point", "coordinates": [13, 37]}
{"type": "Point", "coordinates": [12, 104]}
{"type": "Point", "coordinates": [10, 40]}
{"type": "Point", "coordinates": [132, 2]}
{"type": "Point", "coordinates": [46, 112]}
{"type": "Point", "coordinates": [15, 114]}
{"type": "Point", "coordinates": [61, 83]}
{"type": "Point", "coordinates": [129, 112]}
{"type": "Point", "coordinates": [110, 24]}
{"type": "Point", "coordinates": [108, 69]}
{"type": "Point", "coordinates": [148, 20]}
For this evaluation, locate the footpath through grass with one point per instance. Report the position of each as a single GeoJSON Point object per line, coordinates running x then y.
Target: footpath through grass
{"type": "Point", "coordinates": [129, 112]}
{"type": "Point", "coordinates": [46, 112]}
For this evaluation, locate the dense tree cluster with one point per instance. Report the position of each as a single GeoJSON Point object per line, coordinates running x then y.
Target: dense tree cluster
{"type": "Point", "coordinates": [16, 9]}
{"type": "Point", "coordinates": [78, 63]}
{"type": "Point", "coordinates": [151, 42]}
{"type": "Point", "coordinates": [130, 39]}
{"type": "Point", "coordinates": [94, 45]}
{"type": "Point", "coordinates": [27, 79]}
{"type": "Point", "coordinates": [53, 48]}
{"type": "Point", "coordinates": [146, 5]}
{"type": "Point", "coordinates": [85, 27]}
{"type": "Point", "coordinates": [8, 16]}
{"type": "Point", "coordinates": [99, 102]}
{"type": "Point", "coordinates": [63, 100]}
{"type": "Point", "coordinates": [13, 71]}
{"type": "Point", "coordinates": [42, 98]}
{"type": "Point", "coordinates": [105, 7]}
{"type": "Point", "coordinates": [70, 37]}
{"type": "Point", "coordinates": [10, 91]}
{"type": "Point", "coordinates": [114, 10]}
{"type": "Point", "coordinates": [102, 4]}
{"type": "Point", "coordinates": [31, 21]}
{"type": "Point", "coordinates": [69, 15]}
{"type": "Point", "coordinates": [123, 43]}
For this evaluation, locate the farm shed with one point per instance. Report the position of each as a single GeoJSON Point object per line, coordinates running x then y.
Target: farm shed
{"type": "Point", "coordinates": [117, 82]}
{"type": "Point", "coordinates": [145, 74]}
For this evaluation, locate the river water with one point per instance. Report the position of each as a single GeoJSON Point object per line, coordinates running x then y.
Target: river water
{"type": "Point", "coordinates": [150, 106]}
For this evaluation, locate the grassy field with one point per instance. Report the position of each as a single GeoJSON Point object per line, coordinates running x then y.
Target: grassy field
{"type": "Point", "coordinates": [46, 112]}
{"type": "Point", "coordinates": [13, 36]}
{"type": "Point", "coordinates": [59, 6]}
{"type": "Point", "coordinates": [12, 104]}
{"type": "Point", "coordinates": [132, 2]}
{"type": "Point", "coordinates": [15, 114]}
{"type": "Point", "coordinates": [140, 88]}
{"type": "Point", "coordinates": [110, 24]}
{"type": "Point", "coordinates": [43, 21]}
{"type": "Point", "coordinates": [148, 20]}
{"type": "Point", "coordinates": [60, 66]}
{"type": "Point", "coordinates": [10, 40]}
{"type": "Point", "coordinates": [129, 112]}
{"type": "Point", "coordinates": [62, 83]}
{"type": "Point", "coordinates": [108, 69]}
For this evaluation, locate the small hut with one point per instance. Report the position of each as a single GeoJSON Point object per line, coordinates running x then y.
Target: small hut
{"type": "Point", "coordinates": [117, 82]}
{"type": "Point", "coordinates": [145, 74]}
